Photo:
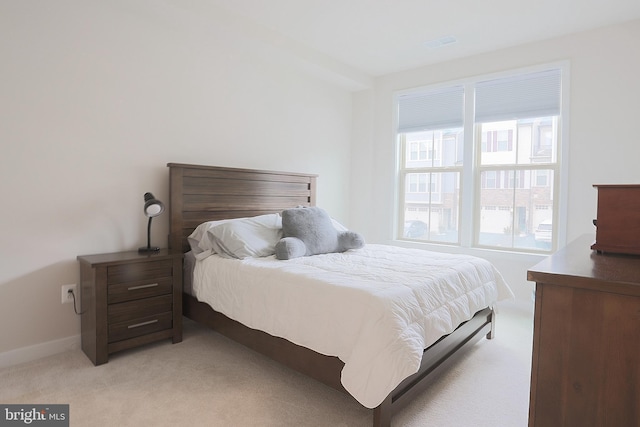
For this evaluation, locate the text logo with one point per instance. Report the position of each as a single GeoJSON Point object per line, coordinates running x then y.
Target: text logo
{"type": "Point", "coordinates": [34, 415]}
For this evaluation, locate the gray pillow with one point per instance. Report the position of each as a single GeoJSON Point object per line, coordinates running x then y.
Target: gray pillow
{"type": "Point", "coordinates": [310, 231]}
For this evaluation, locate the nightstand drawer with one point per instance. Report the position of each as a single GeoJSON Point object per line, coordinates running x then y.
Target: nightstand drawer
{"type": "Point", "coordinates": [140, 271]}
{"type": "Point", "coordinates": [141, 289]}
{"type": "Point", "coordinates": [133, 310]}
{"type": "Point", "coordinates": [141, 326]}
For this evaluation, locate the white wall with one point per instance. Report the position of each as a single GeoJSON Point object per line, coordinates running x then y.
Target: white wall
{"type": "Point", "coordinates": [604, 148]}
{"type": "Point", "coordinates": [96, 97]}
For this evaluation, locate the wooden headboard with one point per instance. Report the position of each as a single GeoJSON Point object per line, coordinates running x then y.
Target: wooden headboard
{"type": "Point", "coordinates": [205, 193]}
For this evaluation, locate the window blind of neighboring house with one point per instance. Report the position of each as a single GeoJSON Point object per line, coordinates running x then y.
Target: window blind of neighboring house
{"type": "Point", "coordinates": [518, 97]}
{"type": "Point", "coordinates": [438, 109]}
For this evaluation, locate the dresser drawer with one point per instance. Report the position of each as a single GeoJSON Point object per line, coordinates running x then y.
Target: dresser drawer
{"type": "Point", "coordinates": [140, 271]}
{"type": "Point", "coordinates": [133, 310]}
{"type": "Point", "coordinates": [140, 289]}
{"type": "Point", "coordinates": [140, 326]}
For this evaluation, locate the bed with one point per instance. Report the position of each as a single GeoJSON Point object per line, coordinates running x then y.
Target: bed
{"type": "Point", "coordinates": [199, 194]}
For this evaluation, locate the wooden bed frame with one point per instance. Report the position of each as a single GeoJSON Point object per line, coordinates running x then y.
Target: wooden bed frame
{"type": "Point", "coordinates": [205, 193]}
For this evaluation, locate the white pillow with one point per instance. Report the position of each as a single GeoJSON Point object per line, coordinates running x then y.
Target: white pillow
{"type": "Point", "coordinates": [195, 239]}
{"type": "Point", "coordinates": [250, 237]}
{"type": "Point", "coordinates": [338, 226]}
{"type": "Point", "coordinates": [240, 237]}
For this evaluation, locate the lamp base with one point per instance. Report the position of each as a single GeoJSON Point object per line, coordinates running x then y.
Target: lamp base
{"type": "Point", "coordinates": [148, 250]}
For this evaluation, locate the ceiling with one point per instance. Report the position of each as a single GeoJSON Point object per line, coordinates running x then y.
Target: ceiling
{"type": "Point", "coordinates": [379, 37]}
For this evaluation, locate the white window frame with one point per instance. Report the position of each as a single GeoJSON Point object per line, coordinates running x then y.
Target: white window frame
{"type": "Point", "coordinates": [470, 177]}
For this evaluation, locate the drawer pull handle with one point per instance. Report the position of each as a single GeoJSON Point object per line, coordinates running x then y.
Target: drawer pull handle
{"type": "Point", "coordinates": [152, 285]}
{"type": "Point", "coordinates": [137, 325]}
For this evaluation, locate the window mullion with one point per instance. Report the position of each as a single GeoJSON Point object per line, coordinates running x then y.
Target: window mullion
{"type": "Point", "coordinates": [470, 179]}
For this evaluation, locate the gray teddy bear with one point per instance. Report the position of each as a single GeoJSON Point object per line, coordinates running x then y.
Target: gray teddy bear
{"type": "Point", "coordinates": [309, 231]}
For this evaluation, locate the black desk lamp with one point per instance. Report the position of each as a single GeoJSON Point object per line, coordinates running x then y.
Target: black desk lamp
{"type": "Point", "coordinates": [152, 208]}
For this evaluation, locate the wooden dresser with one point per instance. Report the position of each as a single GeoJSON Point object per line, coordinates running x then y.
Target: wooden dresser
{"type": "Point", "coordinates": [586, 343]}
{"type": "Point", "coordinates": [129, 299]}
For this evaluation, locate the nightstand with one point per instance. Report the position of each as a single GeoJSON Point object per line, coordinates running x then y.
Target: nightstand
{"type": "Point", "coordinates": [129, 299]}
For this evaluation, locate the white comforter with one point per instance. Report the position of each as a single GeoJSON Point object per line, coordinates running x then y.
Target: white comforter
{"type": "Point", "coordinates": [375, 308]}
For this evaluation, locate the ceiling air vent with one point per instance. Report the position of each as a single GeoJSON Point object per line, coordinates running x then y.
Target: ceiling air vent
{"type": "Point", "coordinates": [439, 42]}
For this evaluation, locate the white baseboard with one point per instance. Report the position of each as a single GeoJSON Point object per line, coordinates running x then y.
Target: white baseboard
{"type": "Point", "coordinates": [38, 351]}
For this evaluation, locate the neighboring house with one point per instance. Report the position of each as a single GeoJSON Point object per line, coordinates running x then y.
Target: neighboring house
{"type": "Point", "coordinates": [434, 199]}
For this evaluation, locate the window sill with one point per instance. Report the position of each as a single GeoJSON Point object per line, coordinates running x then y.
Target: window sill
{"type": "Point", "coordinates": [479, 252]}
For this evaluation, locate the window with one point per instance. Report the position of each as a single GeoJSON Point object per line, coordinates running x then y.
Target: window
{"type": "Point", "coordinates": [485, 174]}
{"type": "Point", "coordinates": [432, 125]}
{"type": "Point", "coordinates": [489, 179]}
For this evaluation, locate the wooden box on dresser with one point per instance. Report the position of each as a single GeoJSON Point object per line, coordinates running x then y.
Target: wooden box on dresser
{"type": "Point", "coordinates": [129, 299]}
{"type": "Point", "coordinates": [618, 223]}
{"type": "Point", "coordinates": [586, 343]}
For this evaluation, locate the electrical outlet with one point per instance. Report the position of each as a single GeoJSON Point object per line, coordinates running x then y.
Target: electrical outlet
{"type": "Point", "coordinates": [66, 296]}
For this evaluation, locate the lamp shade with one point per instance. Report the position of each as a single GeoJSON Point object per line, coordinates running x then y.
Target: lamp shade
{"type": "Point", "coordinates": [152, 206]}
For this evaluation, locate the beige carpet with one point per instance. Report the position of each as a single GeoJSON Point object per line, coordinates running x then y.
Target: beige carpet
{"type": "Point", "coordinates": [208, 380]}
